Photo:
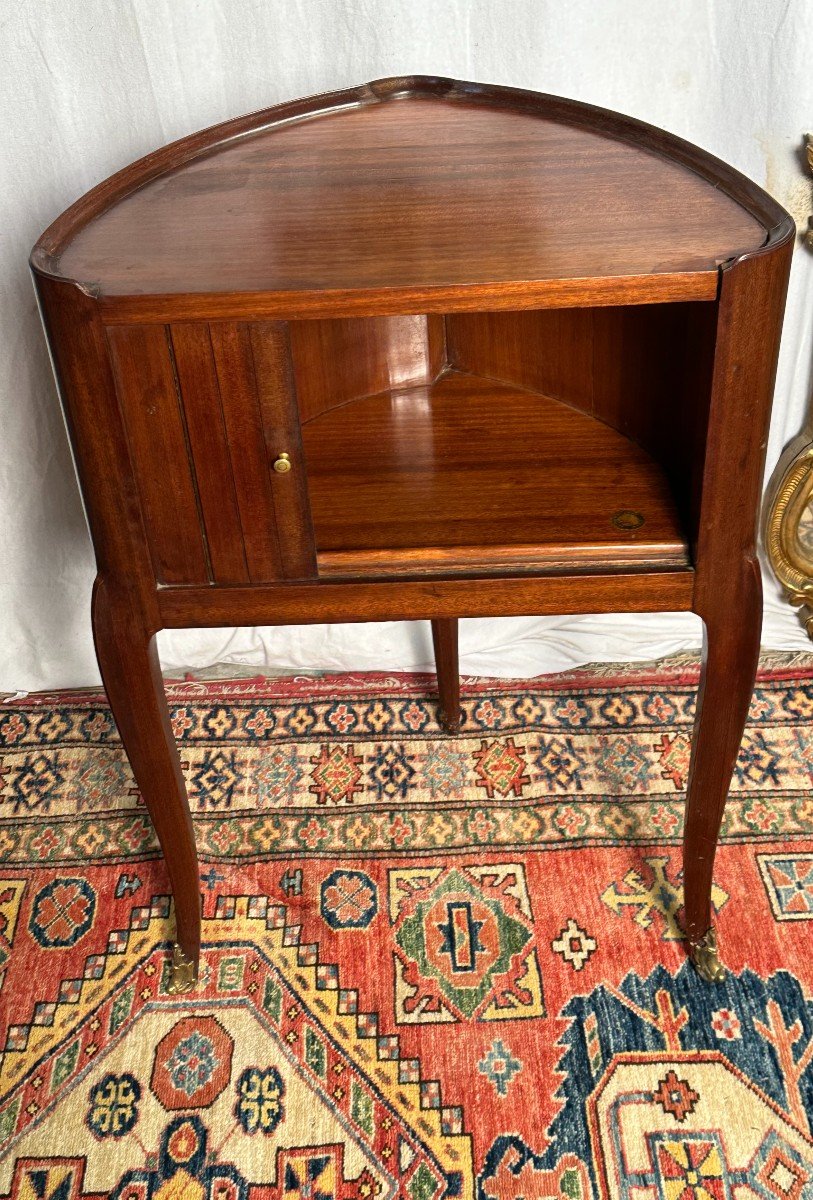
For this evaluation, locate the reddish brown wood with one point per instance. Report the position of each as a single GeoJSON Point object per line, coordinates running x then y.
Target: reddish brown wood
{"type": "Point", "coordinates": [337, 361]}
{"type": "Point", "coordinates": [125, 607]}
{"type": "Point", "coordinates": [131, 673]}
{"type": "Point", "coordinates": [549, 351]}
{"type": "Point", "coordinates": [435, 477]}
{"type": "Point", "coordinates": [237, 386]}
{"type": "Point", "coordinates": [273, 372]}
{"type": "Point", "coordinates": [728, 594]}
{"type": "Point", "coordinates": [390, 598]}
{"type": "Point", "coordinates": [437, 300]}
{"type": "Point", "coordinates": [643, 369]}
{"type": "Point", "coordinates": [209, 446]}
{"type": "Point", "coordinates": [98, 437]}
{"type": "Point", "coordinates": [153, 417]}
{"type": "Point", "coordinates": [444, 640]}
{"type": "Point", "coordinates": [316, 201]}
{"type": "Point", "coordinates": [590, 118]}
{"type": "Point", "coordinates": [298, 282]}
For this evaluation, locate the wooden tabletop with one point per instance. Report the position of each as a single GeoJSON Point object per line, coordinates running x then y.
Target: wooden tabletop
{"type": "Point", "coordinates": [415, 191]}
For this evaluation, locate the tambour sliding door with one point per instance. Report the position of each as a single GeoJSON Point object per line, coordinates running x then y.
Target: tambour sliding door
{"type": "Point", "coordinates": [208, 409]}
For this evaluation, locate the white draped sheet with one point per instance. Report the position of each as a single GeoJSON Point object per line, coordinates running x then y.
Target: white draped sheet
{"type": "Point", "coordinates": [86, 86]}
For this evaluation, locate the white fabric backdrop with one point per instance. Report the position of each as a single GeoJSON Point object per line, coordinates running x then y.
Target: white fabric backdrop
{"type": "Point", "coordinates": [88, 85]}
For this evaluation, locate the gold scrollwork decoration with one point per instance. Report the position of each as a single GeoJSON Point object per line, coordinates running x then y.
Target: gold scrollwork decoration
{"type": "Point", "coordinates": [788, 524]}
{"type": "Point", "coordinates": [790, 555]}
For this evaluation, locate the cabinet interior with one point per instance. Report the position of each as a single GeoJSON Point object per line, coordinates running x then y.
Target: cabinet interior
{"type": "Point", "coordinates": [540, 440]}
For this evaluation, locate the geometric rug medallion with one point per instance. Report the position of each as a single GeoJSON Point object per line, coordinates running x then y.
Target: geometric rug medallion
{"type": "Point", "coordinates": [433, 967]}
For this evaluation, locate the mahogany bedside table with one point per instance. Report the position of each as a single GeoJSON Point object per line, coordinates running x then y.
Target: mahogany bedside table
{"type": "Point", "coordinates": [420, 349]}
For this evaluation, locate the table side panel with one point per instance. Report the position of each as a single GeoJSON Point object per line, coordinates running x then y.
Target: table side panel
{"type": "Point", "coordinates": [150, 402]}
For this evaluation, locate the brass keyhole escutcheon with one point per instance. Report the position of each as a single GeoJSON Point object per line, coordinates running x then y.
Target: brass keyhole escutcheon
{"type": "Point", "coordinates": [628, 519]}
{"type": "Point", "coordinates": [282, 464]}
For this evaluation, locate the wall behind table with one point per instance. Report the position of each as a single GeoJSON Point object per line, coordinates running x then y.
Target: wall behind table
{"type": "Point", "coordinates": [86, 87]}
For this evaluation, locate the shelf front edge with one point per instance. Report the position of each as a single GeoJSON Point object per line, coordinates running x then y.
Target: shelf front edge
{"type": "Point", "coordinates": [471, 297]}
{"type": "Point", "coordinates": [421, 599]}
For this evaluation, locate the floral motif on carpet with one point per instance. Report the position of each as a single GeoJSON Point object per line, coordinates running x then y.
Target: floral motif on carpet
{"type": "Point", "coordinates": [480, 994]}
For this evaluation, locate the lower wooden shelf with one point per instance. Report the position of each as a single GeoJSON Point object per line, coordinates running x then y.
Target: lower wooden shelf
{"type": "Point", "coordinates": [471, 474]}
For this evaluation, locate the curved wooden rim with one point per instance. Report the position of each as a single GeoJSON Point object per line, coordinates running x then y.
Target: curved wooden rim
{"type": "Point", "coordinates": [768, 212]}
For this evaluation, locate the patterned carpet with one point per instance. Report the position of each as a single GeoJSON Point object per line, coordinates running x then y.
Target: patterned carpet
{"type": "Point", "coordinates": [433, 967]}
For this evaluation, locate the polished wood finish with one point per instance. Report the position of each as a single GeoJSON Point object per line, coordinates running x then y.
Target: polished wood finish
{"type": "Point", "coordinates": [468, 465]}
{"type": "Point", "coordinates": [131, 674]}
{"type": "Point", "coordinates": [318, 225]}
{"type": "Point", "coordinates": [337, 361]}
{"type": "Point", "coordinates": [444, 641]}
{"type": "Point", "coordinates": [153, 419]}
{"type": "Point", "coordinates": [728, 592]}
{"type": "Point", "coordinates": [645, 370]}
{"type": "Point", "coordinates": [320, 200]}
{"type": "Point", "coordinates": [208, 446]}
{"type": "Point", "coordinates": [423, 350]}
{"type": "Point", "coordinates": [396, 598]}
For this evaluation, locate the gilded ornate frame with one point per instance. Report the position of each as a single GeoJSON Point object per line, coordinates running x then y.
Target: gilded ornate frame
{"type": "Point", "coordinates": [789, 499]}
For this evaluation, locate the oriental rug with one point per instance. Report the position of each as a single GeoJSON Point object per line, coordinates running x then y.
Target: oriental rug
{"type": "Point", "coordinates": [434, 967]}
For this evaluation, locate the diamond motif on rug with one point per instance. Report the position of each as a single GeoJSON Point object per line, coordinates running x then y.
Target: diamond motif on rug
{"type": "Point", "coordinates": [336, 775]}
{"type": "Point", "coordinates": [464, 944]}
{"type": "Point", "coordinates": [500, 767]}
{"type": "Point", "coordinates": [788, 880]}
{"type": "Point", "coordinates": [275, 775]}
{"type": "Point", "coordinates": [623, 764]}
{"type": "Point", "coordinates": [391, 771]}
{"type": "Point", "coordinates": [560, 764]}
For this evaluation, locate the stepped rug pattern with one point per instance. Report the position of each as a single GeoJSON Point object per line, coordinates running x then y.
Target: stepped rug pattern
{"type": "Point", "coordinates": [434, 967]}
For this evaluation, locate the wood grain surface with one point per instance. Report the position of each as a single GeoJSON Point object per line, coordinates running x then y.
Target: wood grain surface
{"type": "Point", "coordinates": [420, 192]}
{"type": "Point", "coordinates": [203, 308]}
{"type": "Point", "coordinates": [474, 472]}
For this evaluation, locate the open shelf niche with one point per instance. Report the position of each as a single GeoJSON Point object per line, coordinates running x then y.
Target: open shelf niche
{"type": "Point", "coordinates": [541, 440]}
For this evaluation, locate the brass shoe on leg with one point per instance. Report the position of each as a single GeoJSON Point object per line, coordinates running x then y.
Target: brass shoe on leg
{"type": "Point", "coordinates": [706, 959]}
{"type": "Point", "coordinates": [183, 973]}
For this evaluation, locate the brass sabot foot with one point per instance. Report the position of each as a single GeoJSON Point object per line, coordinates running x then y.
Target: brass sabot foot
{"type": "Point", "coordinates": [183, 973]}
{"type": "Point", "coordinates": [706, 959]}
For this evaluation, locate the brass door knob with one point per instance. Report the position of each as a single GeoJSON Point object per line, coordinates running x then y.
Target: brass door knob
{"type": "Point", "coordinates": [282, 464]}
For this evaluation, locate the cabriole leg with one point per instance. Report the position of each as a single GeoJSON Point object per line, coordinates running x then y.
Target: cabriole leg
{"type": "Point", "coordinates": [444, 638]}
{"type": "Point", "coordinates": [732, 625]}
{"type": "Point", "coordinates": [128, 661]}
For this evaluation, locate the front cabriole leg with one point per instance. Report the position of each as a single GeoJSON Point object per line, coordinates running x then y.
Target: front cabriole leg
{"type": "Point", "coordinates": [128, 661]}
{"type": "Point", "coordinates": [730, 658]}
